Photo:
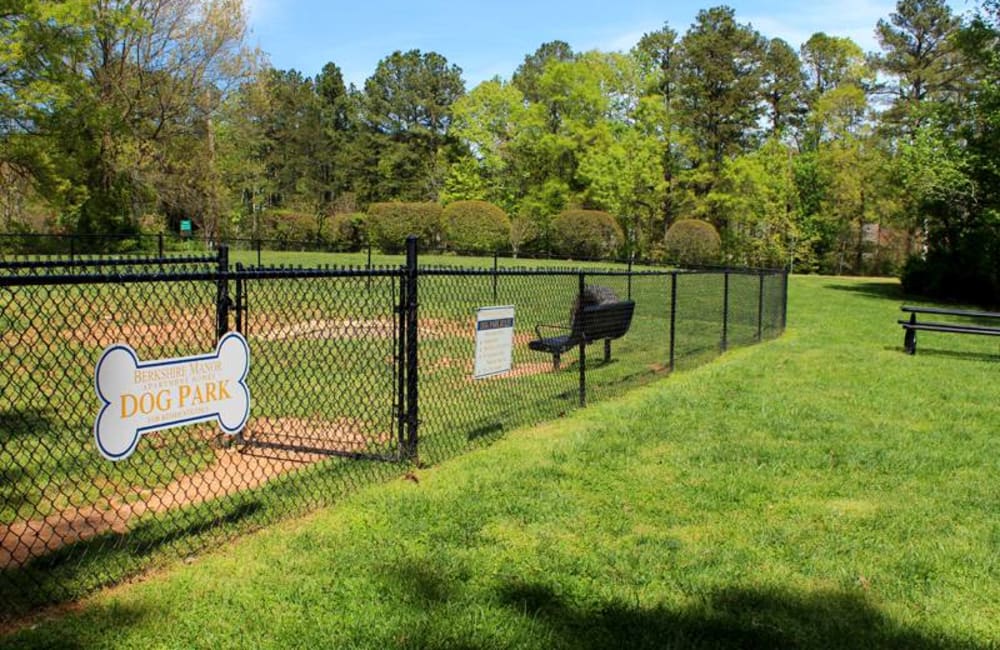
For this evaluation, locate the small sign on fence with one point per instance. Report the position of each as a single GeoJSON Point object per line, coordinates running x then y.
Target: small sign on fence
{"type": "Point", "coordinates": [494, 341]}
{"type": "Point", "coordinates": [185, 227]}
{"type": "Point", "coordinates": [142, 397]}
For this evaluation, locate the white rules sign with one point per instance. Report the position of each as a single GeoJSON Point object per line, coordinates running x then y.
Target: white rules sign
{"type": "Point", "coordinates": [494, 341]}
{"type": "Point", "coordinates": [141, 397]}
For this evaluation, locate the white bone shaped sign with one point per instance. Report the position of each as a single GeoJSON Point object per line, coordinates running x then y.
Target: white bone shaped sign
{"type": "Point", "coordinates": [142, 397]}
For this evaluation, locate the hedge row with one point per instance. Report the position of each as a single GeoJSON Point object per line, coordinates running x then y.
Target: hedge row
{"type": "Point", "coordinates": [463, 226]}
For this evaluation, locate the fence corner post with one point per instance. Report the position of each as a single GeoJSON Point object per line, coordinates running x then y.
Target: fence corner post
{"type": "Point", "coordinates": [760, 307]}
{"type": "Point", "coordinates": [222, 295]}
{"type": "Point", "coordinates": [412, 366]}
{"type": "Point", "coordinates": [673, 318]}
{"type": "Point", "coordinates": [725, 311]}
{"type": "Point", "coordinates": [583, 345]}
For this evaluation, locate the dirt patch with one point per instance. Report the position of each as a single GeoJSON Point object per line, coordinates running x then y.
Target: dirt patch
{"type": "Point", "coordinates": [265, 328]}
{"type": "Point", "coordinates": [233, 470]}
{"type": "Point", "coordinates": [465, 365]}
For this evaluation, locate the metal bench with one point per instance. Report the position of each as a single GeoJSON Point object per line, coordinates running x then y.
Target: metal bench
{"type": "Point", "coordinates": [911, 326]}
{"type": "Point", "coordinates": [606, 321]}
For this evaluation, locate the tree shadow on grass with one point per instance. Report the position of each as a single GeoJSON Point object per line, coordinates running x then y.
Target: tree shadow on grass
{"type": "Point", "coordinates": [730, 618]}
{"type": "Point", "coordinates": [882, 289]}
{"type": "Point", "coordinates": [73, 570]}
{"type": "Point", "coordinates": [957, 355]}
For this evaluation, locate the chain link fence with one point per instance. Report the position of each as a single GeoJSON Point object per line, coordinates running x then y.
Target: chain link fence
{"type": "Point", "coordinates": [355, 374]}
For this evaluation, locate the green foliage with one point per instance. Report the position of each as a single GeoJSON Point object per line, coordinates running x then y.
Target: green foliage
{"type": "Point", "coordinates": [289, 226]}
{"type": "Point", "coordinates": [808, 458]}
{"type": "Point", "coordinates": [346, 232]}
{"type": "Point", "coordinates": [391, 223]}
{"type": "Point", "coordinates": [693, 241]}
{"type": "Point", "coordinates": [476, 227]}
{"type": "Point", "coordinates": [586, 234]}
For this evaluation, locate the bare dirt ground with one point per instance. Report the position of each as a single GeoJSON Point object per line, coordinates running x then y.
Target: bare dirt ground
{"type": "Point", "coordinates": [233, 470]}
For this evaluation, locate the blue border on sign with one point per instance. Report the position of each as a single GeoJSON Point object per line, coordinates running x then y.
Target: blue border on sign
{"type": "Point", "coordinates": [235, 428]}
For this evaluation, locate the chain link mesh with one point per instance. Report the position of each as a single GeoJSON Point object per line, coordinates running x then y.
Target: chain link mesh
{"type": "Point", "coordinates": [328, 382]}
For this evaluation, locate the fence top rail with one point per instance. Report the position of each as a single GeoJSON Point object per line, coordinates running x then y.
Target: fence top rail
{"type": "Point", "coordinates": [194, 276]}
{"type": "Point", "coordinates": [97, 262]}
{"type": "Point", "coordinates": [918, 309]}
{"type": "Point", "coordinates": [514, 271]}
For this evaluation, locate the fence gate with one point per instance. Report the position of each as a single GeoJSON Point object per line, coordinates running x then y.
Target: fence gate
{"type": "Point", "coordinates": [326, 372]}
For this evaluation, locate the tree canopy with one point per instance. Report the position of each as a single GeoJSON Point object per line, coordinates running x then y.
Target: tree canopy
{"type": "Point", "coordinates": [126, 115]}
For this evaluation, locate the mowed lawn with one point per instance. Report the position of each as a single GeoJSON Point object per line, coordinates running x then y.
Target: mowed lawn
{"type": "Point", "coordinates": [821, 490]}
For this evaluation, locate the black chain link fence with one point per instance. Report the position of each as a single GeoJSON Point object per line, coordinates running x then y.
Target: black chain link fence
{"type": "Point", "coordinates": [355, 373]}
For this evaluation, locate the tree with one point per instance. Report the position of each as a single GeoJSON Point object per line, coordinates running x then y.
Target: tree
{"type": "Point", "coordinates": [757, 195]}
{"type": "Point", "coordinates": [486, 121]}
{"type": "Point", "coordinates": [783, 87]}
{"type": "Point", "coordinates": [146, 81]}
{"type": "Point", "coordinates": [408, 108]}
{"type": "Point", "coordinates": [919, 55]}
{"type": "Point", "coordinates": [719, 84]}
{"type": "Point", "coordinates": [656, 56]}
{"type": "Point", "coordinates": [528, 73]}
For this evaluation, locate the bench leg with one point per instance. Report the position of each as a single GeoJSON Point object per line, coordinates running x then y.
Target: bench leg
{"type": "Point", "coordinates": [910, 341]}
{"type": "Point", "coordinates": [607, 350]}
{"type": "Point", "coordinates": [555, 361]}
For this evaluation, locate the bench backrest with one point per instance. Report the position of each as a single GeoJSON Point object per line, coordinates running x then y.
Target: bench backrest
{"type": "Point", "coordinates": [609, 320]}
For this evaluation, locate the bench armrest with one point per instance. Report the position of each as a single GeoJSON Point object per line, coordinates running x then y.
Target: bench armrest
{"type": "Point", "coordinates": [540, 326]}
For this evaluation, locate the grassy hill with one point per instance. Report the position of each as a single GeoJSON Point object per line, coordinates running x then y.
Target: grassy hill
{"type": "Point", "coordinates": [822, 490]}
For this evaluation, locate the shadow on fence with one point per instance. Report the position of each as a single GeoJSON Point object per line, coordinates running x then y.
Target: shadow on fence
{"type": "Point", "coordinates": [354, 372]}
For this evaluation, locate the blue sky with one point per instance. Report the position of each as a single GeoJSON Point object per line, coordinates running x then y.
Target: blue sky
{"type": "Point", "coordinates": [492, 38]}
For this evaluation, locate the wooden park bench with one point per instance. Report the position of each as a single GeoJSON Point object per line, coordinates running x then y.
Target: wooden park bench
{"type": "Point", "coordinates": [605, 321]}
{"type": "Point", "coordinates": [911, 326]}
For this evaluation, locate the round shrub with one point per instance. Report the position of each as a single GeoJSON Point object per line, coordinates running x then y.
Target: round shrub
{"type": "Point", "coordinates": [476, 227]}
{"type": "Point", "coordinates": [346, 231]}
{"type": "Point", "coordinates": [288, 227]}
{"type": "Point", "coordinates": [692, 241]}
{"type": "Point", "coordinates": [389, 224]}
{"type": "Point", "coordinates": [586, 234]}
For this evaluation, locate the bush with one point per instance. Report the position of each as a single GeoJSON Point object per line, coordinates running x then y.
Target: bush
{"type": "Point", "coordinates": [346, 232]}
{"type": "Point", "coordinates": [692, 241]}
{"type": "Point", "coordinates": [288, 226]}
{"type": "Point", "coordinates": [391, 223]}
{"type": "Point", "coordinates": [586, 234]}
{"type": "Point", "coordinates": [476, 227]}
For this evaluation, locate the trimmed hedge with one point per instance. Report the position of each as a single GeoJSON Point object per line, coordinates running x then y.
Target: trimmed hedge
{"type": "Point", "coordinates": [288, 226]}
{"type": "Point", "coordinates": [346, 232]}
{"type": "Point", "coordinates": [389, 224]}
{"type": "Point", "coordinates": [476, 227]}
{"type": "Point", "coordinates": [586, 234]}
{"type": "Point", "coordinates": [693, 241]}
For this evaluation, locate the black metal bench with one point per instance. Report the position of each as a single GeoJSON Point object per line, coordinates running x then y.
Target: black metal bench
{"type": "Point", "coordinates": [606, 321]}
{"type": "Point", "coordinates": [911, 326]}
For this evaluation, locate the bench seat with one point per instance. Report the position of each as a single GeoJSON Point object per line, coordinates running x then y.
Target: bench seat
{"type": "Point", "coordinates": [912, 326]}
{"type": "Point", "coordinates": [603, 322]}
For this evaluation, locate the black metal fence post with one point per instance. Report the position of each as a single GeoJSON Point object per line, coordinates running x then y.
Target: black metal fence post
{"type": "Point", "coordinates": [760, 307]}
{"type": "Point", "coordinates": [673, 317]}
{"type": "Point", "coordinates": [784, 301]}
{"type": "Point", "coordinates": [240, 299]}
{"type": "Point", "coordinates": [725, 312]}
{"type": "Point", "coordinates": [631, 256]}
{"type": "Point", "coordinates": [258, 253]}
{"type": "Point", "coordinates": [222, 294]}
{"type": "Point", "coordinates": [159, 243]}
{"type": "Point", "coordinates": [412, 376]}
{"type": "Point", "coordinates": [583, 346]}
{"type": "Point", "coordinates": [495, 268]}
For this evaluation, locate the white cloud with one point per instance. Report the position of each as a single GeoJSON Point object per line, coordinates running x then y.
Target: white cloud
{"type": "Point", "coordinates": [855, 19]}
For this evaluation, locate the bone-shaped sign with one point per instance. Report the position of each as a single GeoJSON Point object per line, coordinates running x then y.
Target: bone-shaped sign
{"type": "Point", "coordinates": [142, 397]}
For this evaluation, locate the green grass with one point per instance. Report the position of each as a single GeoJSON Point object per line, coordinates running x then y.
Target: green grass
{"type": "Point", "coordinates": [822, 490]}
{"type": "Point", "coordinates": [312, 258]}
